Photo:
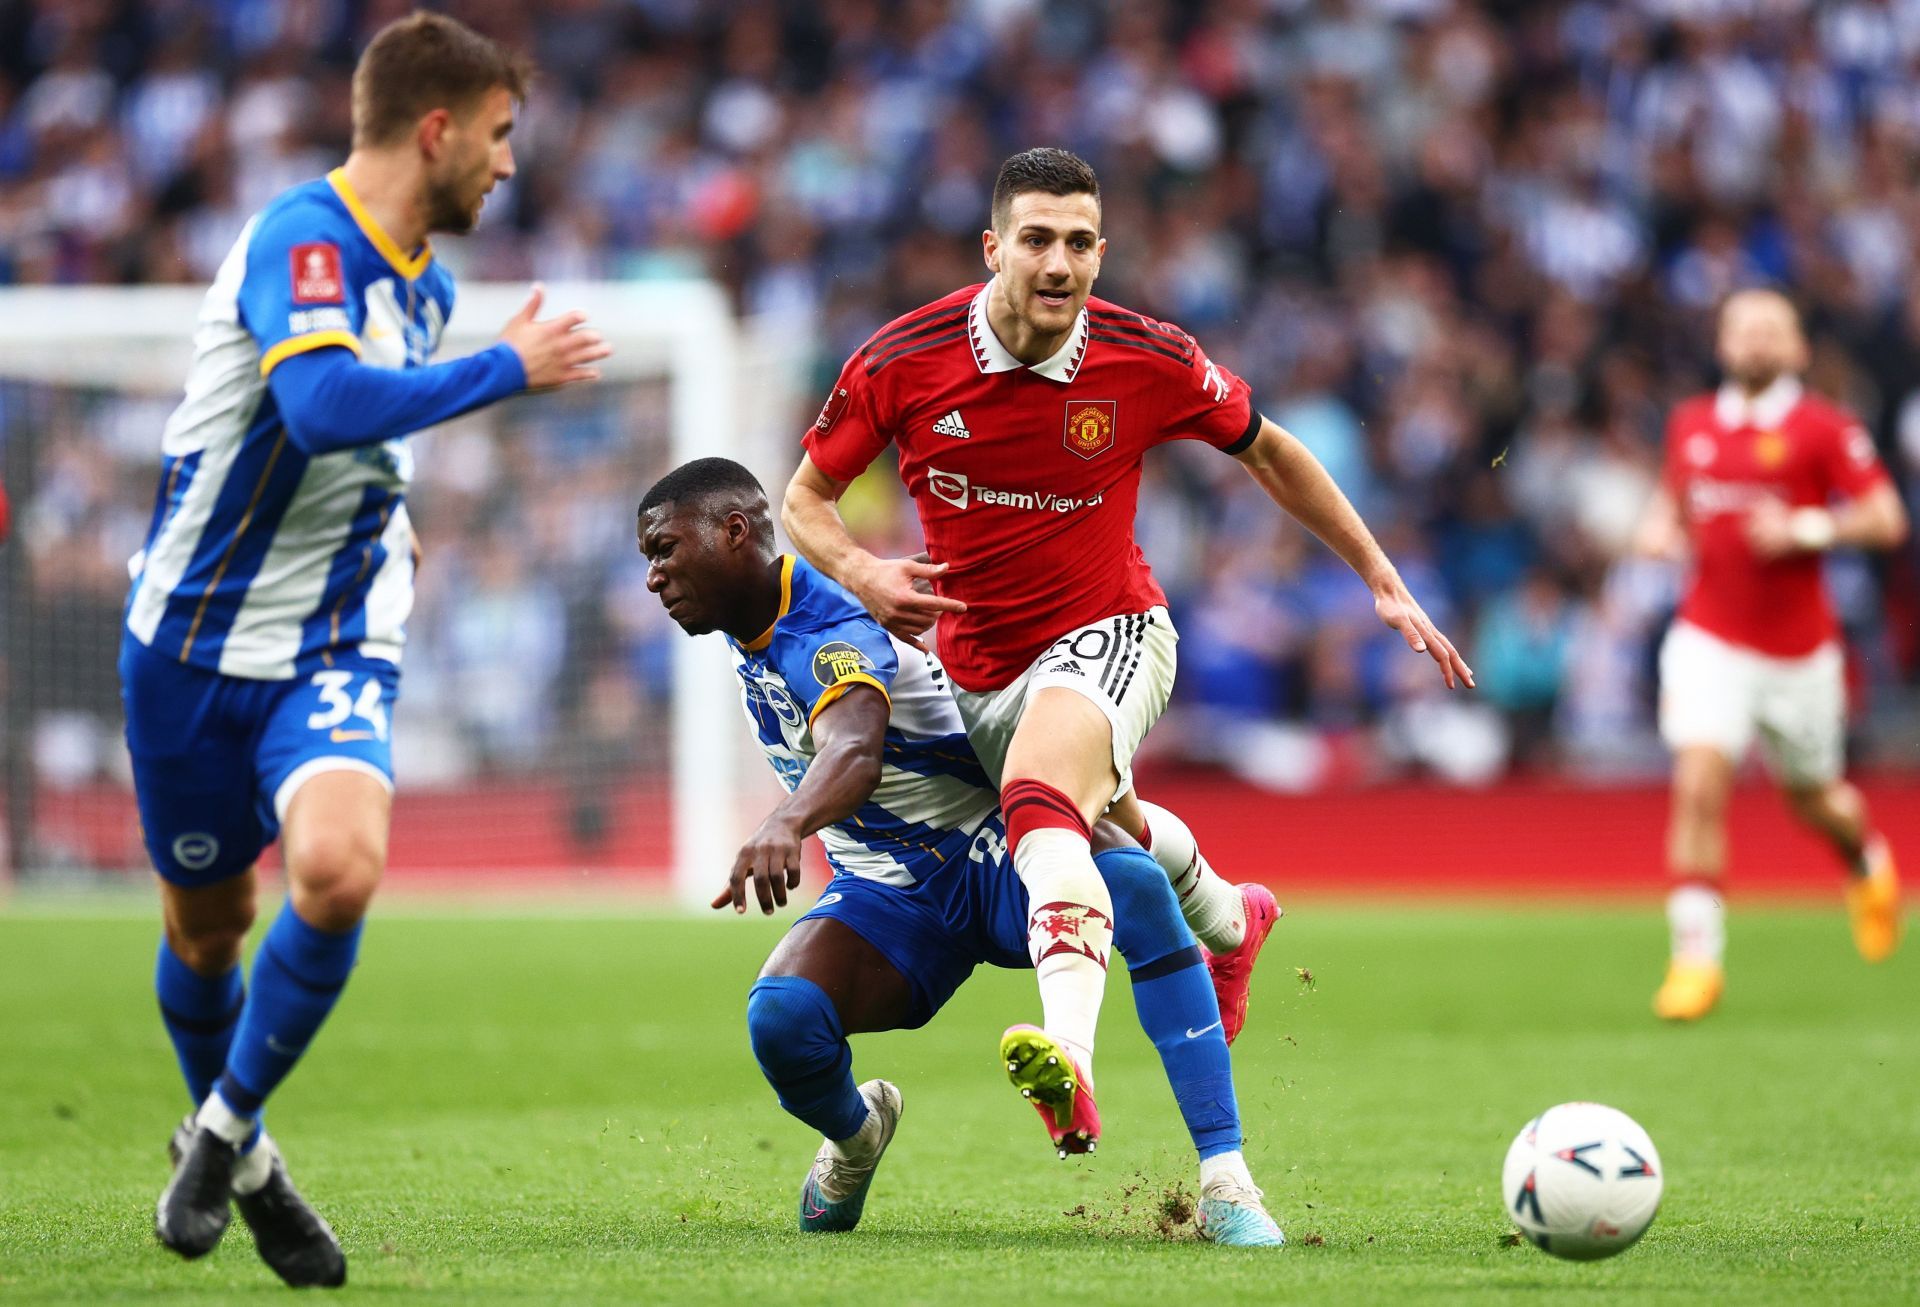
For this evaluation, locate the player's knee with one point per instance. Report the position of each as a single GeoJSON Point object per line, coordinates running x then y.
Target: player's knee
{"type": "Point", "coordinates": [793, 1027]}
{"type": "Point", "coordinates": [1816, 805]}
{"type": "Point", "coordinates": [333, 873]}
{"type": "Point", "coordinates": [1108, 836]}
{"type": "Point", "coordinates": [1699, 793]}
{"type": "Point", "coordinates": [1147, 925]}
{"type": "Point", "coordinates": [211, 947]}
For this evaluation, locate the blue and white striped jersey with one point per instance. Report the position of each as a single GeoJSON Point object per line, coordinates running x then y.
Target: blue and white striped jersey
{"type": "Point", "coordinates": [933, 794]}
{"type": "Point", "coordinates": [261, 559]}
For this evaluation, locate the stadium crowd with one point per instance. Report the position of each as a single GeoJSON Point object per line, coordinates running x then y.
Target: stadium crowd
{"type": "Point", "coordinates": [1468, 252]}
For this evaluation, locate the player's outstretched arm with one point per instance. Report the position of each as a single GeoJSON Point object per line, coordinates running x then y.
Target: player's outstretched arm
{"type": "Point", "coordinates": [331, 401]}
{"type": "Point", "coordinates": [810, 510]}
{"type": "Point", "coordinates": [848, 734]}
{"type": "Point", "coordinates": [1294, 479]}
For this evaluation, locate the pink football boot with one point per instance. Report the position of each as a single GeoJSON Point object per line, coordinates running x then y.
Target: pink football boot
{"type": "Point", "coordinates": [1233, 972]}
{"type": "Point", "coordinates": [1045, 1074]}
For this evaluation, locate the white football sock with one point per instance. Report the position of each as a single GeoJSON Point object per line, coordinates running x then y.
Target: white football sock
{"type": "Point", "coordinates": [253, 1167]}
{"type": "Point", "coordinates": [1214, 910]}
{"type": "Point", "coordinates": [1057, 868]}
{"type": "Point", "coordinates": [215, 1115]}
{"type": "Point", "coordinates": [1698, 920]}
{"type": "Point", "coordinates": [860, 1146]}
{"type": "Point", "coordinates": [1228, 1170]}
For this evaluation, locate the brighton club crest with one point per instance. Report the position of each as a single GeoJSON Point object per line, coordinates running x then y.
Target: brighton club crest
{"type": "Point", "coordinates": [1090, 424]}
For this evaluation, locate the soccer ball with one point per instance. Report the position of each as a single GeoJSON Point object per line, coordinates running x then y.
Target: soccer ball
{"type": "Point", "coordinates": [1582, 1181]}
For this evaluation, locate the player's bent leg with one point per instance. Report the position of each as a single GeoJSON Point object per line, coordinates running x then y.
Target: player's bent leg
{"type": "Point", "coordinates": [1696, 911]}
{"type": "Point", "coordinates": [197, 973]}
{"type": "Point", "coordinates": [334, 844]}
{"type": "Point", "coordinates": [1232, 922]}
{"type": "Point", "coordinates": [802, 1050]}
{"type": "Point", "coordinates": [1173, 996]}
{"type": "Point", "coordinates": [1060, 774]}
{"type": "Point", "coordinates": [1214, 909]}
{"type": "Point", "coordinates": [823, 982]}
{"type": "Point", "coordinates": [197, 980]}
{"type": "Point", "coordinates": [1838, 811]}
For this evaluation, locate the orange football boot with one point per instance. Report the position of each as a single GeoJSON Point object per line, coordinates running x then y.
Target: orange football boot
{"type": "Point", "coordinates": [1873, 904]}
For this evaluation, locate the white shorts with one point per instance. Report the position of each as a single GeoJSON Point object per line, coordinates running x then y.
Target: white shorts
{"type": "Point", "coordinates": [1719, 694]}
{"type": "Point", "coordinates": [1123, 664]}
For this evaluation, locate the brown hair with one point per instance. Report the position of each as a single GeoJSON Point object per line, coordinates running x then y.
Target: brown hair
{"type": "Point", "coordinates": [424, 62]}
{"type": "Point", "coordinates": [1045, 169]}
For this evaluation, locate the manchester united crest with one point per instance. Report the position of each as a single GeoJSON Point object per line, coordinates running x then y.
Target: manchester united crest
{"type": "Point", "coordinates": [1770, 449]}
{"type": "Point", "coordinates": [1090, 425]}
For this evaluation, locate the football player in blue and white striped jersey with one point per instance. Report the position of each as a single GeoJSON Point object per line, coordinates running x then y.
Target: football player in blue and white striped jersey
{"type": "Point", "coordinates": [261, 655]}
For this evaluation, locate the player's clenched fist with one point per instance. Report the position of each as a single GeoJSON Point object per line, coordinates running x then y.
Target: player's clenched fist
{"type": "Point", "coordinates": [771, 861]}
{"type": "Point", "coordinates": [554, 351]}
{"type": "Point", "coordinates": [899, 594]}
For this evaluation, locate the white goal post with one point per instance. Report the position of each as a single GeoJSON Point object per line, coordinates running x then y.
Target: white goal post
{"type": "Point", "coordinates": [139, 340]}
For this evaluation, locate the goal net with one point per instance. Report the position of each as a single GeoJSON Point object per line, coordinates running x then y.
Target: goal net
{"type": "Point", "coordinates": [554, 728]}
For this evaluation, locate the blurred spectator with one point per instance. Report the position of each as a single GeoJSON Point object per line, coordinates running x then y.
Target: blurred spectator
{"type": "Point", "coordinates": [1520, 654]}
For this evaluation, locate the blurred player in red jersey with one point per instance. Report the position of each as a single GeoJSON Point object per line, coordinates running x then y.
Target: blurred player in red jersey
{"type": "Point", "coordinates": [1752, 475]}
{"type": "Point", "coordinates": [1021, 410]}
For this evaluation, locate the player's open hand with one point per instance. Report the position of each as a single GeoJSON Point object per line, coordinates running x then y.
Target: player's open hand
{"type": "Point", "coordinates": [770, 861]}
{"type": "Point", "coordinates": [1396, 607]}
{"type": "Point", "coordinates": [554, 351]}
{"type": "Point", "coordinates": [891, 590]}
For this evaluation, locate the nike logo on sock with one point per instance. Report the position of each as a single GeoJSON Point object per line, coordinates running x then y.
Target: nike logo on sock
{"type": "Point", "coordinates": [1195, 1034]}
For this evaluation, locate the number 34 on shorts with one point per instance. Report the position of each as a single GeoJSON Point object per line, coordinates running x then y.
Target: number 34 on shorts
{"type": "Point", "coordinates": [348, 715]}
{"type": "Point", "coordinates": [217, 759]}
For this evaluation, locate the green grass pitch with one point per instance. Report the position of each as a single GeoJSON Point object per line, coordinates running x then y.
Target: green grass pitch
{"type": "Point", "coordinates": [563, 1109]}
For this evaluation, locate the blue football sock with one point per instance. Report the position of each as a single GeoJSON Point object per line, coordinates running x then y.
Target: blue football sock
{"type": "Point", "coordinates": [200, 1013]}
{"type": "Point", "coordinates": [1173, 997]}
{"type": "Point", "coordinates": [802, 1051]}
{"type": "Point", "coordinates": [1178, 1011]}
{"type": "Point", "coordinates": [297, 978]}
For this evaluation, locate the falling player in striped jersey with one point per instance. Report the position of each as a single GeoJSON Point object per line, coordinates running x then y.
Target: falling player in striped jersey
{"type": "Point", "coordinates": [261, 655]}
{"type": "Point", "coordinates": [1021, 410]}
{"type": "Point", "coordinates": [1752, 475]}
{"type": "Point", "coordinates": [862, 732]}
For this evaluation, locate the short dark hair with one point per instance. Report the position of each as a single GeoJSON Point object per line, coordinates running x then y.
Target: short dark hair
{"type": "Point", "coordinates": [1046, 169]}
{"type": "Point", "coordinates": [424, 62]}
{"type": "Point", "coordinates": [704, 478]}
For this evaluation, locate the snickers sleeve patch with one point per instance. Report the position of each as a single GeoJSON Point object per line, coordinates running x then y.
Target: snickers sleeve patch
{"type": "Point", "coordinates": [820, 666]}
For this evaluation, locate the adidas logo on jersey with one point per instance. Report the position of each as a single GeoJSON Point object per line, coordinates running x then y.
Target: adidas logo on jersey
{"type": "Point", "coordinates": [952, 425]}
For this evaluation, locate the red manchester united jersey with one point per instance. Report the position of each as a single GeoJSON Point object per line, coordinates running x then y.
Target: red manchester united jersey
{"type": "Point", "coordinates": [1026, 477]}
{"type": "Point", "coordinates": [1726, 453]}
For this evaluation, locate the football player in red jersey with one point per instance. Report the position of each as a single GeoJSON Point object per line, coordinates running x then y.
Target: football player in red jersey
{"type": "Point", "coordinates": [1753, 473]}
{"type": "Point", "coordinates": [1020, 410]}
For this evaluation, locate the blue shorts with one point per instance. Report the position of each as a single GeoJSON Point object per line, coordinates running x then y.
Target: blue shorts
{"type": "Point", "coordinates": [217, 758]}
{"type": "Point", "coordinates": [936, 931]}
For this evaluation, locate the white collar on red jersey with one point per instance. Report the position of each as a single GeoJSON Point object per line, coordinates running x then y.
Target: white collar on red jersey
{"type": "Point", "coordinates": [992, 356]}
{"type": "Point", "coordinates": [1733, 410]}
